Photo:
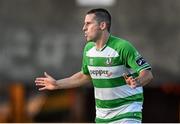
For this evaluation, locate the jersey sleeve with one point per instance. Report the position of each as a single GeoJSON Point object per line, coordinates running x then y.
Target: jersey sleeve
{"type": "Point", "coordinates": [84, 68]}
{"type": "Point", "coordinates": [133, 59]}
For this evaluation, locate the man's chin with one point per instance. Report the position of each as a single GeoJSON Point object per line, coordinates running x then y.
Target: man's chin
{"type": "Point", "coordinates": [89, 39]}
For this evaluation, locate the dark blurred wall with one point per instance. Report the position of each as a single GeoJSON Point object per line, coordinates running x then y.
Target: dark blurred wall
{"type": "Point", "coordinates": [46, 35]}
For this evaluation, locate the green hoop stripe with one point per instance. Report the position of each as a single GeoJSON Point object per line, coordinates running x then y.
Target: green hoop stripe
{"type": "Point", "coordinates": [119, 102]}
{"type": "Point", "coordinates": [132, 115]}
{"type": "Point", "coordinates": [110, 83]}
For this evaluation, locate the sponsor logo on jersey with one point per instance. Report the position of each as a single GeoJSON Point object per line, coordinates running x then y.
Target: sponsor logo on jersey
{"type": "Point", "coordinates": [141, 61]}
{"type": "Point", "coordinates": [100, 73]}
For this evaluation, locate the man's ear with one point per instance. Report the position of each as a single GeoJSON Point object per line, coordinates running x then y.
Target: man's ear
{"type": "Point", "coordinates": [103, 25]}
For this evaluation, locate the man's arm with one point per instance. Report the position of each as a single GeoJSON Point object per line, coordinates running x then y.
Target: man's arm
{"type": "Point", "coordinates": [49, 83]}
{"type": "Point", "coordinates": [145, 76]}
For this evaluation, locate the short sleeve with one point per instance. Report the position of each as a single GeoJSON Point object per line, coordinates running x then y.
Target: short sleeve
{"type": "Point", "coordinates": [84, 68]}
{"type": "Point", "coordinates": [133, 59]}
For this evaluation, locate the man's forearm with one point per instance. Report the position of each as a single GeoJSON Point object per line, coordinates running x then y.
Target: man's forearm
{"type": "Point", "coordinates": [144, 77]}
{"type": "Point", "coordinates": [75, 80]}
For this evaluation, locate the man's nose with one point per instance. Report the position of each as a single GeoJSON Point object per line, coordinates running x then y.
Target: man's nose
{"type": "Point", "coordinates": [84, 28]}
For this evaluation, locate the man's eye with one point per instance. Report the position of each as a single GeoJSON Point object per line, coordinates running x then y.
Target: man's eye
{"type": "Point", "coordinates": [88, 23]}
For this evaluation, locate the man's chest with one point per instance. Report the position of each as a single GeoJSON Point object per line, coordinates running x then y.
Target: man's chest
{"type": "Point", "coordinates": [107, 57]}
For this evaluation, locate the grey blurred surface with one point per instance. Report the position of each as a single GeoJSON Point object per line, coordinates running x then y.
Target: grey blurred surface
{"type": "Point", "coordinates": [46, 35]}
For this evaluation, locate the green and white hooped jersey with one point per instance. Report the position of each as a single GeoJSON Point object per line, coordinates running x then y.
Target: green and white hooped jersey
{"type": "Point", "coordinates": [115, 100]}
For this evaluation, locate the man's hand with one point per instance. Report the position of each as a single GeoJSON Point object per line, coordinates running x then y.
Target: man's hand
{"type": "Point", "coordinates": [132, 82]}
{"type": "Point", "coordinates": [46, 83]}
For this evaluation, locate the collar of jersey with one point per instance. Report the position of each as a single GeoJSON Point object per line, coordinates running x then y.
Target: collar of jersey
{"type": "Point", "coordinates": [101, 49]}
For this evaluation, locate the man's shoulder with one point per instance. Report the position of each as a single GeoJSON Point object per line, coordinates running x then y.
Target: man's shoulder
{"type": "Point", "coordinates": [117, 41]}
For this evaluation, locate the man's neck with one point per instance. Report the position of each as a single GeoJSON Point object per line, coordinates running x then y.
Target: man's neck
{"type": "Point", "coordinates": [100, 43]}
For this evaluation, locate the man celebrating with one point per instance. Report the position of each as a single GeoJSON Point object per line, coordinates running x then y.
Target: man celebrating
{"type": "Point", "coordinates": [116, 69]}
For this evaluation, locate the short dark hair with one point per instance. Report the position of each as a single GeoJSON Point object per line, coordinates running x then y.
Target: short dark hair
{"type": "Point", "coordinates": [102, 15]}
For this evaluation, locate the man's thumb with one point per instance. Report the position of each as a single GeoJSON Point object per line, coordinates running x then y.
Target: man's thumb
{"type": "Point", "coordinates": [47, 75]}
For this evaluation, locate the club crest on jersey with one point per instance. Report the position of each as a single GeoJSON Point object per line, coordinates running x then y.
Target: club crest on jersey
{"type": "Point", "coordinates": [109, 61]}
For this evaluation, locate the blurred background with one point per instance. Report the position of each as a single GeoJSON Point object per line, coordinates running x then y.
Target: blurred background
{"type": "Point", "coordinates": [46, 35]}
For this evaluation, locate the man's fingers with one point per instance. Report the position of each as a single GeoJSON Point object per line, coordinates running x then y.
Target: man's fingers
{"type": "Point", "coordinates": [40, 79]}
{"type": "Point", "coordinates": [125, 76]}
{"type": "Point", "coordinates": [133, 85]}
{"type": "Point", "coordinates": [130, 80]}
{"type": "Point", "coordinates": [40, 84]}
{"type": "Point", "coordinates": [43, 88]}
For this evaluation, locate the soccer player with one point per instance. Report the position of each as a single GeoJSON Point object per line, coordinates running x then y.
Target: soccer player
{"type": "Point", "coordinates": [115, 67]}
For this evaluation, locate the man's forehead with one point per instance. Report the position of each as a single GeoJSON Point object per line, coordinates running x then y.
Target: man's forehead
{"type": "Point", "coordinates": [89, 17]}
